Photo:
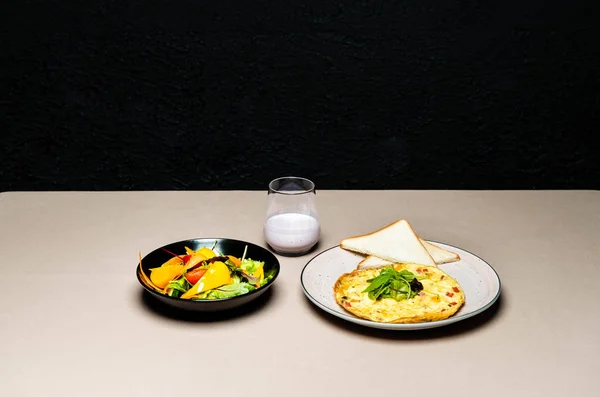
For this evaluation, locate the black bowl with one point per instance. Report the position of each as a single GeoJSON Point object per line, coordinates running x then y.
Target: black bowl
{"type": "Point", "coordinates": [225, 245]}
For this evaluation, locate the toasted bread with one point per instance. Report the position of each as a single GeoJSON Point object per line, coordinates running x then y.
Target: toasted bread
{"type": "Point", "coordinates": [396, 243]}
{"type": "Point", "coordinates": [373, 261]}
{"type": "Point", "coordinates": [440, 255]}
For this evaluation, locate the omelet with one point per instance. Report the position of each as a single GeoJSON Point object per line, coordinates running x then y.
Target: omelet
{"type": "Point", "coordinates": [440, 298]}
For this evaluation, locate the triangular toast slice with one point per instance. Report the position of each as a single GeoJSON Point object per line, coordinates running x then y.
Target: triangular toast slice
{"type": "Point", "coordinates": [440, 255]}
{"type": "Point", "coordinates": [373, 261]}
{"type": "Point", "coordinates": [396, 243]}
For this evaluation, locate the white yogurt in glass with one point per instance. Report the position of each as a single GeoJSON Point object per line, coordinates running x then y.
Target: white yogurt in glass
{"type": "Point", "coordinates": [292, 232]}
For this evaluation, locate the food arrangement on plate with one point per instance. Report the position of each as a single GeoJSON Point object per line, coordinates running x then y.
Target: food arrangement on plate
{"type": "Point", "coordinates": [399, 280]}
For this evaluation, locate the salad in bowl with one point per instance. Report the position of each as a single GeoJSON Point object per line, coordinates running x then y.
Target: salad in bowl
{"type": "Point", "coordinates": [196, 273]}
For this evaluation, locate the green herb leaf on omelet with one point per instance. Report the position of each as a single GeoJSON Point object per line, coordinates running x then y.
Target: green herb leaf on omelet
{"type": "Point", "coordinates": [398, 285]}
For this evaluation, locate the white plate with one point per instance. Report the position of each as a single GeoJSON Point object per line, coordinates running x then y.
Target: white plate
{"type": "Point", "coordinates": [478, 279]}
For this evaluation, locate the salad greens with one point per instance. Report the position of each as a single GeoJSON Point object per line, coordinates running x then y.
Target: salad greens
{"type": "Point", "coordinates": [398, 285]}
{"type": "Point", "coordinates": [243, 281]}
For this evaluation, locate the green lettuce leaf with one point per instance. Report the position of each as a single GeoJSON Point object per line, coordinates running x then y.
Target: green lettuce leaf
{"type": "Point", "coordinates": [181, 285]}
{"type": "Point", "coordinates": [231, 290]}
{"type": "Point", "coordinates": [225, 291]}
{"type": "Point", "coordinates": [250, 265]}
{"type": "Point", "coordinates": [268, 277]}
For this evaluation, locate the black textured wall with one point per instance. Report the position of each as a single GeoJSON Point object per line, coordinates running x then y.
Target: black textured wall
{"type": "Point", "coordinates": [353, 94]}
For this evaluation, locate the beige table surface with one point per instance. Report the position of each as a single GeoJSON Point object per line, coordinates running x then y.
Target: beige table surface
{"type": "Point", "coordinates": [75, 322]}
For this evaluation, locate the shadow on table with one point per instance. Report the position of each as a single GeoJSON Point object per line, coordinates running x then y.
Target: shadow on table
{"type": "Point", "coordinates": [447, 331]}
{"type": "Point", "coordinates": [153, 305]}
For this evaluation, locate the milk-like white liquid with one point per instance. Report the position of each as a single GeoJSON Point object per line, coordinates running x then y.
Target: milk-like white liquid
{"type": "Point", "coordinates": [292, 232]}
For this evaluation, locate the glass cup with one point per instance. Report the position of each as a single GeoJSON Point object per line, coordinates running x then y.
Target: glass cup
{"type": "Point", "coordinates": [292, 223]}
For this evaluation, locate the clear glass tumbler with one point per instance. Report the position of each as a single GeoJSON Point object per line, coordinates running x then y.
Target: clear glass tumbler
{"type": "Point", "coordinates": [292, 223]}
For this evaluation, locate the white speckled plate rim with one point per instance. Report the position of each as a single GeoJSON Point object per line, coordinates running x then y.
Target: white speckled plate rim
{"type": "Point", "coordinates": [478, 279]}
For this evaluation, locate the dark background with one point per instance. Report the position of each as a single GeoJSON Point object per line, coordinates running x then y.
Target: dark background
{"type": "Point", "coordinates": [103, 95]}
